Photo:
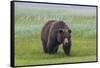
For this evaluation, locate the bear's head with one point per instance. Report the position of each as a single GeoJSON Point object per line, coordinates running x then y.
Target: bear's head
{"type": "Point", "coordinates": [64, 36]}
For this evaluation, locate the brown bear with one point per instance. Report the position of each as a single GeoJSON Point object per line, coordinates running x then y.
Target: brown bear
{"type": "Point", "coordinates": [55, 33]}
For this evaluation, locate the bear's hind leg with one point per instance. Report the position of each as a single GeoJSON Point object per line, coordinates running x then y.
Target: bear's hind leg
{"type": "Point", "coordinates": [55, 49]}
{"type": "Point", "coordinates": [44, 46]}
{"type": "Point", "coordinates": [52, 49]}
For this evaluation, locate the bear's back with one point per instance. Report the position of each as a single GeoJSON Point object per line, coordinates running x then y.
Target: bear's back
{"type": "Point", "coordinates": [46, 29]}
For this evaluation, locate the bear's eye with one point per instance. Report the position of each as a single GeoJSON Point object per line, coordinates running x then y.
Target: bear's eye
{"type": "Point", "coordinates": [60, 31]}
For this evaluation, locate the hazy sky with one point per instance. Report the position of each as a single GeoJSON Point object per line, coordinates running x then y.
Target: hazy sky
{"type": "Point", "coordinates": [85, 9]}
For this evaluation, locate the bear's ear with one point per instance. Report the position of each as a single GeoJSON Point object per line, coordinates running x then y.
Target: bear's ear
{"type": "Point", "coordinates": [69, 31]}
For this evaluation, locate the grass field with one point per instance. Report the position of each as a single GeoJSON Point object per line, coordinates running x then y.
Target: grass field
{"type": "Point", "coordinates": [28, 25]}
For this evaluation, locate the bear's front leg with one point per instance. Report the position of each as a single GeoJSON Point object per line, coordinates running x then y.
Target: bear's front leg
{"type": "Point", "coordinates": [67, 49]}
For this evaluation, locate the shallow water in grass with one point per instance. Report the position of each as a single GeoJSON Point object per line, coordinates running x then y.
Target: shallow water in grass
{"type": "Point", "coordinates": [38, 27]}
{"type": "Point", "coordinates": [78, 30]}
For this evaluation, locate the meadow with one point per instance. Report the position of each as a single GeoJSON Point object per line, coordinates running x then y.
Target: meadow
{"type": "Point", "coordinates": [28, 25]}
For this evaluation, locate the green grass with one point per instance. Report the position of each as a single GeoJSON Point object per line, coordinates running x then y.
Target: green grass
{"type": "Point", "coordinates": [56, 60]}
{"type": "Point", "coordinates": [28, 47]}
{"type": "Point", "coordinates": [32, 53]}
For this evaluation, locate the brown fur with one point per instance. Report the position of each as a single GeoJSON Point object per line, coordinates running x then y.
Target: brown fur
{"type": "Point", "coordinates": [51, 39]}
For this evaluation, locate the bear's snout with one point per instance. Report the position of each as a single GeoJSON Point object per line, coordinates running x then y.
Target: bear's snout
{"type": "Point", "coordinates": [65, 41]}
